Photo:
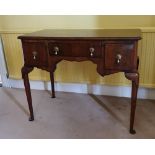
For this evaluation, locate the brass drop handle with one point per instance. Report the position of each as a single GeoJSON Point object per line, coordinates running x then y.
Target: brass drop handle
{"type": "Point", "coordinates": [34, 55]}
{"type": "Point", "coordinates": [56, 50]}
{"type": "Point", "coordinates": [92, 50]}
{"type": "Point", "coordinates": [118, 58]}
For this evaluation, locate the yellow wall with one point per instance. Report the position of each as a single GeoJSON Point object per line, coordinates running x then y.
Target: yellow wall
{"type": "Point", "coordinates": [13, 26]}
{"type": "Point", "coordinates": [42, 22]}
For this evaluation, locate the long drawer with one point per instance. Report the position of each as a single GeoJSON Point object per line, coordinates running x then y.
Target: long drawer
{"type": "Point", "coordinates": [76, 48]}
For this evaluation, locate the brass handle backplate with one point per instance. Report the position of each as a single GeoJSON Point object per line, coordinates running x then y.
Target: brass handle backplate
{"type": "Point", "coordinates": [92, 50]}
{"type": "Point", "coordinates": [34, 55]}
{"type": "Point", "coordinates": [118, 58]}
{"type": "Point", "coordinates": [56, 50]}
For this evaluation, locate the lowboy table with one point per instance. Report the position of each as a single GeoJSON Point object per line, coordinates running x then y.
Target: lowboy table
{"type": "Point", "coordinates": [113, 50]}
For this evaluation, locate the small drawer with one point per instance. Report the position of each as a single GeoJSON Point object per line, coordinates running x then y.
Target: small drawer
{"type": "Point", "coordinates": [87, 49]}
{"type": "Point", "coordinates": [119, 56]}
{"type": "Point", "coordinates": [35, 53]}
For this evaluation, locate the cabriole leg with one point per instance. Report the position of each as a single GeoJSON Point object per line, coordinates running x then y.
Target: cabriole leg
{"type": "Point", "coordinates": [134, 77]}
{"type": "Point", "coordinates": [25, 71]}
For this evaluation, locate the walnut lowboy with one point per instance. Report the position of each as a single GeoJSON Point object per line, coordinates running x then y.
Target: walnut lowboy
{"type": "Point", "coordinates": [112, 50]}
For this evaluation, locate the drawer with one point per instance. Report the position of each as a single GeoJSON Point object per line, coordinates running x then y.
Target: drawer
{"type": "Point", "coordinates": [88, 49]}
{"type": "Point", "coordinates": [119, 56]}
{"type": "Point", "coordinates": [35, 53]}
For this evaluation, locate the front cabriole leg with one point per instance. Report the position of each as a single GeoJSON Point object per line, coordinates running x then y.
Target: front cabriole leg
{"type": "Point", "coordinates": [25, 71]}
{"type": "Point", "coordinates": [134, 77]}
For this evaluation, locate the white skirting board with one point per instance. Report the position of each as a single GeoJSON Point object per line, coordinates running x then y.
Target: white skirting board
{"type": "Point", "coordinates": [120, 91]}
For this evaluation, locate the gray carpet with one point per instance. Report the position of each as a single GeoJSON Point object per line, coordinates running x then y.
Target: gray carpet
{"type": "Point", "coordinates": [72, 115]}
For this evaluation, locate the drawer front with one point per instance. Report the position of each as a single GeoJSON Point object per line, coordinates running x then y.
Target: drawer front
{"type": "Point", "coordinates": [89, 49]}
{"type": "Point", "coordinates": [35, 53]}
{"type": "Point", "coordinates": [119, 56]}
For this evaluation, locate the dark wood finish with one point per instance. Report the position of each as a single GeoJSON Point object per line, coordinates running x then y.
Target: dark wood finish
{"type": "Point", "coordinates": [112, 50]}
{"type": "Point", "coordinates": [25, 70]}
{"type": "Point", "coordinates": [52, 84]}
{"type": "Point", "coordinates": [134, 77]}
{"type": "Point", "coordinates": [84, 34]}
{"type": "Point", "coordinates": [76, 48]}
{"type": "Point", "coordinates": [40, 56]}
{"type": "Point", "coordinates": [126, 49]}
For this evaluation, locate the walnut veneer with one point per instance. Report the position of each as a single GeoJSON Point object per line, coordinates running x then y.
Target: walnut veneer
{"type": "Point", "coordinates": [112, 50]}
